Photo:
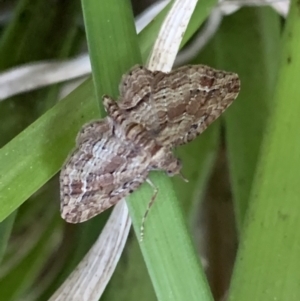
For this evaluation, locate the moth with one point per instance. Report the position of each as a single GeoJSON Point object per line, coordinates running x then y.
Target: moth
{"type": "Point", "coordinates": [155, 113]}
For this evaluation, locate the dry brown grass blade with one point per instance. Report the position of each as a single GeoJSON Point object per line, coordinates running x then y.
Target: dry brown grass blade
{"type": "Point", "coordinates": [168, 41]}
{"type": "Point", "coordinates": [89, 279]}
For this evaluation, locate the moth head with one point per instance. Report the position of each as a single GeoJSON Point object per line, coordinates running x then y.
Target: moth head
{"type": "Point", "coordinates": [173, 167]}
{"type": "Point", "coordinates": [164, 160]}
{"type": "Point", "coordinates": [170, 164]}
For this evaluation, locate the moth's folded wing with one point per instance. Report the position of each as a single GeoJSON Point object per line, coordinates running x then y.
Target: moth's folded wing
{"type": "Point", "coordinates": [136, 98]}
{"type": "Point", "coordinates": [97, 129]}
{"type": "Point", "coordinates": [97, 175]}
{"type": "Point", "coordinates": [135, 86]}
{"type": "Point", "coordinates": [189, 99]}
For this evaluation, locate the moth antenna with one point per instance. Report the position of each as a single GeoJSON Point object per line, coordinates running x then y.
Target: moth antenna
{"type": "Point", "coordinates": [182, 177]}
{"type": "Point", "coordinates": [155, 189]}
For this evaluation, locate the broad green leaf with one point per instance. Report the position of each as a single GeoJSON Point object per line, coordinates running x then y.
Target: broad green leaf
{"type": "Point", "coordinates": [257, 32]}
{"type": "Point", "coordinates": [267, 266]}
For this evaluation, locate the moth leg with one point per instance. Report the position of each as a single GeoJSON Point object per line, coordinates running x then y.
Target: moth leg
{"type": "Point", "coordinates": [155, 191]}
{"type": "Point", "coordinates": [182, 177]}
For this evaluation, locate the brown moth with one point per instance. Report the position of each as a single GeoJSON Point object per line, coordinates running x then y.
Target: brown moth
{"type": "Point", "coordinates": [156, 112]}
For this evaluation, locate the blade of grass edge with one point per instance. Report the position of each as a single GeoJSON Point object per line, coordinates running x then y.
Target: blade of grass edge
{"type": "Point", "coordinates": [257, 31]}
{"type": "Point", "coordinates": [168, 229]}
{"type": "Point", "coordinates": [267, 265]}
{"type": "Point", "coordinates": [5, 231]}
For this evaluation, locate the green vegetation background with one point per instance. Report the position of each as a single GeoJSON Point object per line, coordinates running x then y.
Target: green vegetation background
{"type": "Point", "coordinates": [39, 250]}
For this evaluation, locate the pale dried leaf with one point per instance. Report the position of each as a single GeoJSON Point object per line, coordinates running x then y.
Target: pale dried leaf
{"type": "Point", "coordinates": [88, 281]}
{"type": "Point", "coordinates": [40, 74]}
{"type": "Point", "coordinates": [36, 75]}
{"type": "Point", "coordinates": [168, 41]}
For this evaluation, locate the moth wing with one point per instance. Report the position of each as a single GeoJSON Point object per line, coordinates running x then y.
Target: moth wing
{"type": "Point", "coordinates": [136, 98]}
{"type": "Point", "coordinates": [95, 130]}
{"type": "Point", "coordinates": [135, 86]}
{"type": "Point", "coordinates": [99, 173]}
{"type": "Point", "coordinates": [188, 99]}
{"type": "Point", "coordinates": [181, 104]}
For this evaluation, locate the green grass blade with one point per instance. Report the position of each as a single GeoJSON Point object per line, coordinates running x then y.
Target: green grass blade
{"type": "Point", "coordinates": [130, 280]}
{"type": "Point", "coordinates": [5, 231]}
{"type": "Point", "coordinates": [109, 37]}
{"type": "Point", "coordinates": [30, 26]}
{"type": "Point", "coordinates": [110, 63]}
{"type": "Point", "coordinates": [167, 248]}
{"type": "Point", "coordinates": [257, 31]}
{"type": "Point", "coordinates": [36, 154]}
{"type": "Point", "coordinates": [22, 276]}
{"type": "Point", "coordinates": [39, 29]}
{"type": "Point", "coordinates": [169, 235]}
{"type": "Point", "coordinates": [267, 266]}
{"type": "Point", "coordinates": [198, 159]}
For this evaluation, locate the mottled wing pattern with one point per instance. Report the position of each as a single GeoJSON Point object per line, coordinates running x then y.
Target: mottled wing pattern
{"type": "Point", "coordinates": [156, 112]}
{"type": "Point", "coordinates": [185, 102]}
{"type": "Point", "coordinates": [135, 86]}
{"type": "Point", "coordinates": [95, 130]}
{"type": "Point", "coordinates": [103, 169]}
{"type": "Point", "coordinates": [189, 99]}
{"type": "Point", "coordinates": [136, 97]}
